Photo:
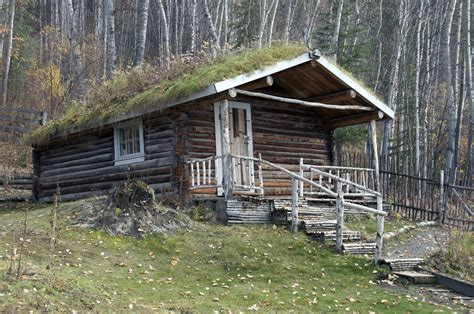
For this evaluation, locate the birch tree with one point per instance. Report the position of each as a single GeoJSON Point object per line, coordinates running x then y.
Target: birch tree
{"type": "Point", "coordinates": [111, 54]}
{"type": "Point", "coordinates": [166, 33]}
{"type": "Point", "coordinates": [445, 64]}
{"type": "Point", "coordinates": [469, 55]}
{"type": "Point", "coordinates": [8, 50]}
{"type": "Point", "coordinates": [337, 28]}
{"type": "Point", "coordinates": [77, 75]}
{"type": "Point", "coordinates": [142, 24]}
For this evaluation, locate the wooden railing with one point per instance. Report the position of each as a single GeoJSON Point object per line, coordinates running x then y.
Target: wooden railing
{"type": "Point", "coordinates": [298, 182]}
{"type": "Point", "coordinates": [204, 176]}
{"type": "Point", "coordinates": [243, 173]}
{"type": "Point", "coordinates": [204, 172]}
{"type": "Point", "coordinates": [355, 181]}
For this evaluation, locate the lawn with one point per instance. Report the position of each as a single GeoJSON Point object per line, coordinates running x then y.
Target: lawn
{"type": "Point", "coordinates": [206, 267]}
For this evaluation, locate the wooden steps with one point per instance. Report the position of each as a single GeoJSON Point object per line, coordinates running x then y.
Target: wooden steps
{"type": "Point", "coordinates": [242, 212]}
{"type": "Point", "coordinates": [347, 235]}
{"type": "Point", "coordinates": [403, 264]}
{"type": "Point", "coordinates": [358, 248]}
{"type": "Point", "coordinates": [417, 277]}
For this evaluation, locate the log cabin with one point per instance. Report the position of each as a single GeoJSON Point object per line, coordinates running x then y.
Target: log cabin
{"type": "Point", "coordinates": [260, 134]}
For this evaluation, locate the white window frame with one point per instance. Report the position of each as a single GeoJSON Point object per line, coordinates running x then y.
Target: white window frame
{"type": "Point", "coordinates": [133, 158]}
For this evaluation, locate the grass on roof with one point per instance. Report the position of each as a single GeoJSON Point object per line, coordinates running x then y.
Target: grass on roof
{"type": "Point", "coordinates": [139, 89]}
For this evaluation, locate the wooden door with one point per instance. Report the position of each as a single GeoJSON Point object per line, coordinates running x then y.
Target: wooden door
{"type": "Point", "coordinates": [240, 132]}
{"type": "Point", "coordinates": [239, 146]}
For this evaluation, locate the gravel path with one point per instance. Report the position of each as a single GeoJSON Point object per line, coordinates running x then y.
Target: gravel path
{"type": "Point", "coordinates": [420, 243]}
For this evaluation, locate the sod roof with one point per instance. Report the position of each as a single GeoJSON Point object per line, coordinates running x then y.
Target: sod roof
{"type": "Point", "coordinates": [144, 90]}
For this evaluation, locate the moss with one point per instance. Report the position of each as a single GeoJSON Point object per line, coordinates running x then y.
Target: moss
{"type": "Point", "coordinates": [112, 98]}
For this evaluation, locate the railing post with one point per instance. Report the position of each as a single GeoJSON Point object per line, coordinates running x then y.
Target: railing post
{"type": "Point", "coordinates": [260, 174]}
{"type": "Point", "coordinates": [227, 178]}
{"type": "Point", "coordinates": [379, 235]}
{"type": "Point", "coordinates": [294, 205]}
{"type": "Point", "coordinates": [441, 198]}
{"type": "Point", "coordinates": [339, 216]}
{"type": "Point", "coordinates": [301, 175]}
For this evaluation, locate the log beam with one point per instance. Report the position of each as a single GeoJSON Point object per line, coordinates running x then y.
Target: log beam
{"type": "Point", "coordinates": [261, 83]}
{"type": "Point", "coordinates": [233, 92]}
{"type": "Point", "coordinates": [354, 119]}
{"type": "Point", "coordinates": [335, 97]}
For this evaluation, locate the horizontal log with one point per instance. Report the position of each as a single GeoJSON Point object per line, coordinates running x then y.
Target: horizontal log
{"type": "Point", "coordinates": [151, 149]}
{"type": "Point", "coordinates": [73, 169]}
{"type": "Point", "coordinates": [333, 98]}
{"type": "Point", "coordinates": [234, 92]}
{"type": "Point", "coordinates": [106, 185]}
{"type": "Point", "coordinates": [84, 161]}
{"type": "Point", "coordinates": [47, 161]}
{"type": "Point", "coordinates": [156, 163]}
{"type": "Point", "coordinates": [118, 176]}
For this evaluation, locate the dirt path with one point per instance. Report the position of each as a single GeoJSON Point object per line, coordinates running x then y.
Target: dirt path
{"type": "Point", "coordinates": [422, 243]}
{"type": "Point", "coordinates": [418, 243]}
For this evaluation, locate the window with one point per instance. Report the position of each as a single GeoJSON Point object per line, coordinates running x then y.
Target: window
{"type": "Point", "coordinates": [129, 146]}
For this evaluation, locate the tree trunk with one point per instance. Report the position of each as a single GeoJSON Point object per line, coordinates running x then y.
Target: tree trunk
{"type": "Point", "coordinates": [3, 20]}
{"type": "Point", "coordinates": [447, 82]}
{"type": "Point", "coordinates": [417, 88]}
{"type": "Point", "coordinates": [272, 23]}
{"type": "Point", "coordinates": [166, 32]}
{"type": "Point", "coordinates": [78, 69]}
{"type": "Point", "coordinates": [111, 54]}
{"type": "Point", "coordinates": [142, 24]}
{"type": "Point", "coordinates": [469, 55]}
{"type": "Point", "coordinates": [212, 30]}
{"type": "Point", "coordinates": [8, 50]}
{"type": "Point", "coordinates": [337, 28]}
{"type": "Point", "coordinates": [193, 26]}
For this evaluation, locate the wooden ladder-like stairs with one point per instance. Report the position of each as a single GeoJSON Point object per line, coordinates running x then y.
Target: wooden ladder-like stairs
{"type": "Point", "coordinates": [319, 221]}
{"type": "Point", "coordinates": [409, 268]}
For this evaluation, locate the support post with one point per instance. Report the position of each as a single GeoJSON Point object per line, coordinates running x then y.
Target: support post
{"type": "Point", "coordinates": [441, 198]}
{"type": "Point", "coordinates": [373, 131]}
{"type": "Point", "coordinates": [301, 175]}
{"type": "Point", "coordinates": [260, 174]}
{"type": "Point", "coordinates": [378, 188]}
{"type": "Point", "coordinates": [294, 205]}
{"type": "Point", "coordinates": [379, 235]}
{"type": "Point", "coordinates": [227, 180]}
{"type": "Point", "coordinates": [339, 216]}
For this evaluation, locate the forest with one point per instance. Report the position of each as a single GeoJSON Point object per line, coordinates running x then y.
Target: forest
{"type": "Point", "coordinates": [415, 54]}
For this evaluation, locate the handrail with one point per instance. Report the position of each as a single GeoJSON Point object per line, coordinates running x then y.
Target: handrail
{"type": "Point", "coordinates": [291, 174]}
{"type": "Point", "coordinates": [204, 159]}
{"type": "Point", "coordinates": [364, 208]}
{"type": "Point", "coordinates": [332, 176]}
{"type": "Point", "coordinates": [340, 168]}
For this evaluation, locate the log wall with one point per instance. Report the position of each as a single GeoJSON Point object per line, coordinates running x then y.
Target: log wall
{"type": "Point", "coordinates": [83, 165]}
{"type": "Point", "coordinates": [282, 133]}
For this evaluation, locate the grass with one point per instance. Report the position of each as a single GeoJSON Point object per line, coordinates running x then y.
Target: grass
{"type": "Point", "coordinates": [209, 267]}
{"type": "Point", "coordinates": [368, 225]}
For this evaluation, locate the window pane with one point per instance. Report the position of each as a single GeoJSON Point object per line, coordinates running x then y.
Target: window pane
{"type": "Point", "coordinates": [129, 140]}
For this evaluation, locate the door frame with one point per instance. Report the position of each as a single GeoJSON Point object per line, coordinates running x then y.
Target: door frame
{"type": "Point", "coordinates": [218, 135]}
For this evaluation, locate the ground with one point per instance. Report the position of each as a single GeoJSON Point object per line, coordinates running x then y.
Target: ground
{"type": "Point", "coordinates": [206, 267]}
